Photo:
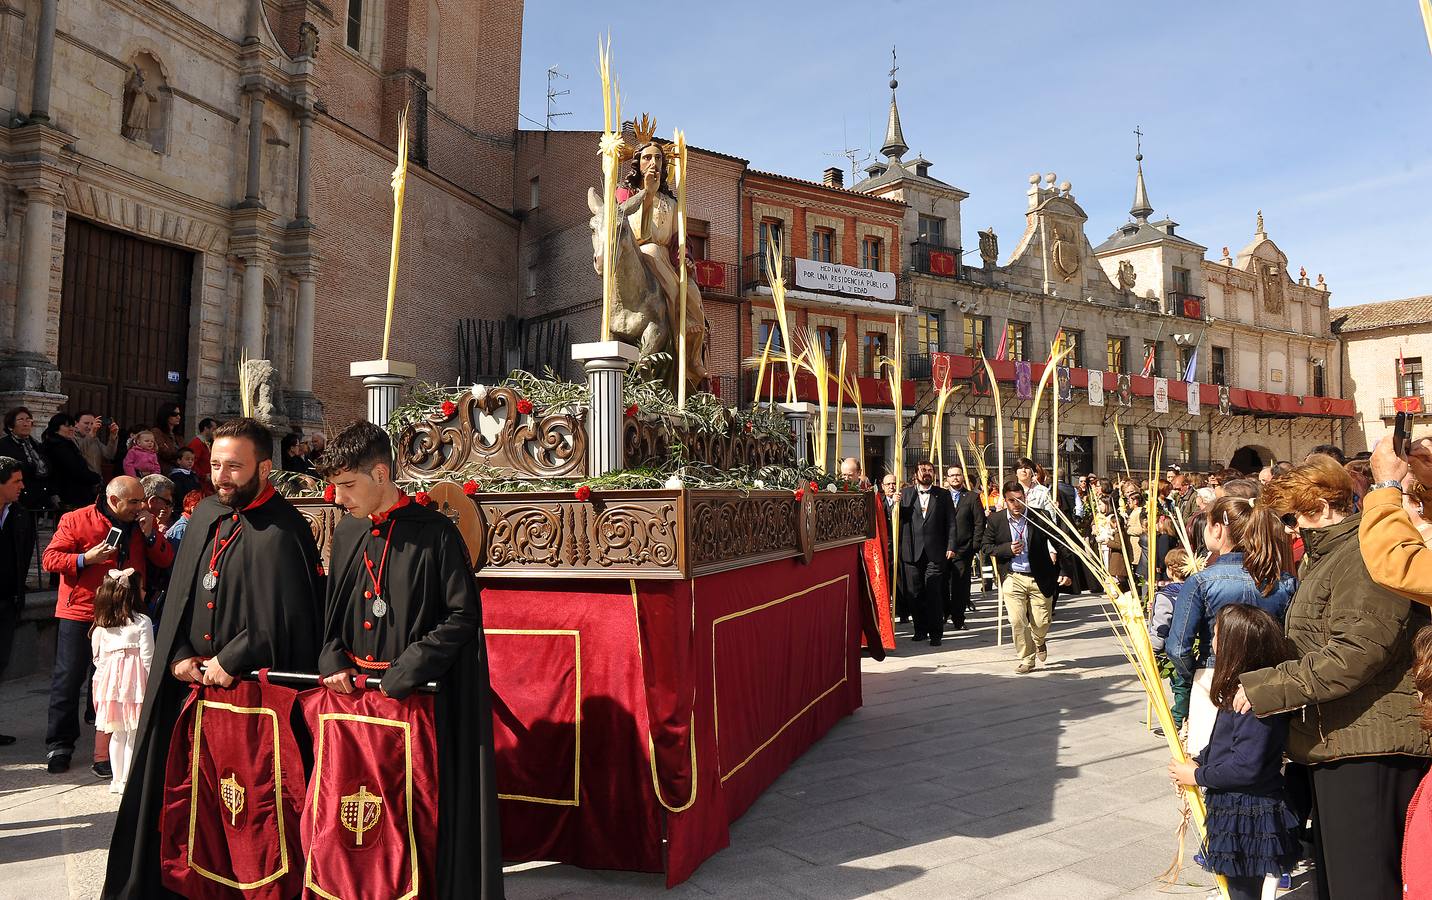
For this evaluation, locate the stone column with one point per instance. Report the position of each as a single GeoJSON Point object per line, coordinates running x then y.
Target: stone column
{"type": "Point", "coordinates": [383, 379]}
{"type": "Point", "coordinates": [251, 327]}
{"type": "Point", "coordinates": [32, 308]}
{"type": "Point", "coordinates": [253, 186]}
{"type": "Point", "coordinates": [606, 363]}
{"type": "Point", "coordinates": [301, 380]}
{"type": "Point", "coordinates": [798, 415]}
{"type": "Point", "coordinates": [44, 62]}
{"type": "Point", "coordinates": [305, 127]}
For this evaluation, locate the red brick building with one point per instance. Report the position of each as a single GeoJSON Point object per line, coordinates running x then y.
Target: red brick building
{"type": "Point", "coordinates": [828, 224]}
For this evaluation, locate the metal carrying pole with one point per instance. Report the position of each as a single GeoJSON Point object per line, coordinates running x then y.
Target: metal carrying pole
{"type": "Point", "coordinates": [308, 679]}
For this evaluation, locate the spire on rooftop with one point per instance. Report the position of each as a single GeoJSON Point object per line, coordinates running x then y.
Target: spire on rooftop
{"type": "Point", "coordinates": [894, 146]}
{"type": "Point", "coordinates": [1142, 209]}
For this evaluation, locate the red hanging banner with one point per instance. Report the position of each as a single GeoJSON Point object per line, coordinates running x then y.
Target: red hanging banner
{"type": "Point", "coordinates": [234, 782]}
{"type": "Point", "coordinates": [370, 822]}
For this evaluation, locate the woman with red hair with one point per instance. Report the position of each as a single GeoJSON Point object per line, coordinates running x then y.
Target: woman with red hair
{"type": "Point", "coordinates": [1352, 688]}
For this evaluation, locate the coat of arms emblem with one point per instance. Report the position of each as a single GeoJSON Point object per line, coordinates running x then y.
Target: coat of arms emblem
{"type": "Point", "coordinates": [1064, 254]}
{"type": "Point", "coordinates": [231, 794]}
{"type": "Point", "coordinates": [359, 812]}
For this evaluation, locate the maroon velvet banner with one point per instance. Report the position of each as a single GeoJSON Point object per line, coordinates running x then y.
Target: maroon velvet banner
{"type": "Point", "coordinates": [229, 825]}
{"type": "Point", "coordinates": [370, 821]}
{"type": "Point", "coordinates": [629, 712]}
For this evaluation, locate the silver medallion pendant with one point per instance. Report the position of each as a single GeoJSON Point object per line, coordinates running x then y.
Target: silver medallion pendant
{"type": "Point", "coordinates": [211, 580]}
{"type": "Point", "coordinates": [380, 607]}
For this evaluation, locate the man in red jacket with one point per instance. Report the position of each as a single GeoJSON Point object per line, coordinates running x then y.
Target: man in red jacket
{"type": "Point", "coordinates": [81, 552]}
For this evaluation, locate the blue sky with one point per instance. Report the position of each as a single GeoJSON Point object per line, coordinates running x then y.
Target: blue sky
{"type": "Point", "coordinates": [1317, 112]}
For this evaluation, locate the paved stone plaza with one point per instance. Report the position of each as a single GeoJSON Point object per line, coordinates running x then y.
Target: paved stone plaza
{"type": "Point", "coordinates": [958, 778]}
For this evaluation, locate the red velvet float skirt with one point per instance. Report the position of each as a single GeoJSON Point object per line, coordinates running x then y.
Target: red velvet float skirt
{"type": "Point", "coordinates": [370, 822]}
{"type": "Point", "coordinates": [233, 786]}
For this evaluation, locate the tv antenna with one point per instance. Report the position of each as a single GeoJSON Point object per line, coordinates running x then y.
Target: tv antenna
{"type": "Point", "coordinates": [854, 154]}
{"type": "Point", "coordinates": [552, 95]}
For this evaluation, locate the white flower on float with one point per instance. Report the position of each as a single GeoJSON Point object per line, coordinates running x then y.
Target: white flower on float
{"type": "Point", "coordinates": [830, 488]}
{"type": "Point", "coordinates": [674, 483]}
{"type": "Point", "coordinates": [479, 392]}
{"type": "Point", "coordinates": [758, 484]}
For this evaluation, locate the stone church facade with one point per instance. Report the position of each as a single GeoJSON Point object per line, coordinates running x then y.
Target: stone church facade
{"type": "Point", "coordinates": [184, 185]}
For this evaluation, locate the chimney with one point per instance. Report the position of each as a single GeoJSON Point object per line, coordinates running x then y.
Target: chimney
{"type": "Point", "coordinates": [834, 177]}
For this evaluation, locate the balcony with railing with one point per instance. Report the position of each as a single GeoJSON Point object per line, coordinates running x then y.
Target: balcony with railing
{"type": "Point", "coordinates": [1416, 405]}
{"type": "Point", "coordinates": [1181, 303]}
{"type": "Point", "coordinates": [935, 259]}
{"type": "Point", "coordinates": [755, 273]}
{"type": "Point", "coordinates": [716, 278]}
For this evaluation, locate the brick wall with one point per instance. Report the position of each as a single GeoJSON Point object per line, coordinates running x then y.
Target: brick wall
{"type": "Point", "coordinates": [456, 261]}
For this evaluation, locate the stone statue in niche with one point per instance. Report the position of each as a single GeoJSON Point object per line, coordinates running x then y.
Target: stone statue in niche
{"type": "Point", "coordinates": [264, 400]}
{"type": "Point", "coordinates": [989, 248]}
{"type": "Point", "coordinates": [137, 104]}
{"type": "Point", "coordinates": [1127, 276]}
{"type": "Point", "coordinates": [308, 40]}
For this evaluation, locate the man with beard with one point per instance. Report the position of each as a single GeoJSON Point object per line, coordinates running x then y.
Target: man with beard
{"type": "Point", "coordinates": [403, 605]}
{"type": "Point", "coordinates": [243, 595]}
{"type": "Point", "coordinates": [927, 544]}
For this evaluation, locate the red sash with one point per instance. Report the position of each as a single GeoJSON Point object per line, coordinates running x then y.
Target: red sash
{"type": "Point", "coordinates": [370, 822]}
{"type": "Point", "coordinates": [232, 789]}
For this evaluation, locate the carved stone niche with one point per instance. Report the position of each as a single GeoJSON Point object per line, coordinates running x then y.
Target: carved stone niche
{"type": "Point", "coordinates": [491, 432]}
{"type": "Point", "coordinates": [144, 115]}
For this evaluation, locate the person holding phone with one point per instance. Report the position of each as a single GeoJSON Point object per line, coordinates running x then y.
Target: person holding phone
{"type": "Point", "coordinates": [1392, 546]}
{"type": "Point", "coordinates": [117, 531]}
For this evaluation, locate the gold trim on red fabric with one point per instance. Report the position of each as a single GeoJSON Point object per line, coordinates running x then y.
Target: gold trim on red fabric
{"type": "Point", "coordinates": [194, 794]}
{"type": "Point", "coordinates": [407, 730]}
{"type": "Point", "coordinates": [715, 711]}
{"type": "Point", "coordinates": [691, 729]}
{"type": "Point", "coordinates": [576, 636]}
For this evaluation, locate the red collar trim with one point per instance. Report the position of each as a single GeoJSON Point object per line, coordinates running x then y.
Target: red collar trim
{"type": "Point", "coordinates": [380, 518]}
{"type": "Point", "coordinates": [262, 498]}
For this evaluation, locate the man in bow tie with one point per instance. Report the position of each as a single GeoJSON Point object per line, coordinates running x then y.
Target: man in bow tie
{"type": "Point", "coordinates": [969, 535]}
{"type": "Point", "coordinates": [927, 544]}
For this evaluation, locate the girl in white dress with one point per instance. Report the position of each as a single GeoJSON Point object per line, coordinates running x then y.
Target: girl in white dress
{"type": "Point", "coordinates": [122, 641]}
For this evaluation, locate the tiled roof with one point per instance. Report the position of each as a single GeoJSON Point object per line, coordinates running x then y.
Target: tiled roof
{"type": "Point", "coordinates": [1388, 313]}
{"type": "Point", "coordinates": [826, 187]}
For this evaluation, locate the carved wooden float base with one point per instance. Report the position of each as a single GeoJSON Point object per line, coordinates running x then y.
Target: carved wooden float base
{"type": "Point", "coordinates": [649, 534]}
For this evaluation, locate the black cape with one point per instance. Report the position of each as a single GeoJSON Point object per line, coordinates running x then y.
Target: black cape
{"type": "Point", "coordinates": [431, 631]}
{"type": "Point", "coordinates": [266, 614]}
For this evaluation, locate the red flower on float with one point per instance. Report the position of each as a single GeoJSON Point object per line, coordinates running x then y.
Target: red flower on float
{"type": "Point", "coordinates": [421, 497]}
{"type": "Point", "coordinates": [449, 408]}
{"type": "Point", "coordinates": [328, 494]}
{"type": "Point", "coordinates": [631, 411]}
{"type": "Point", "coordinates": [470, 487]}
{"type": "Point", "coordinates": [748, 427]}
{"type": "Point", "coordinates": [799, 492]}
{"type": "Point", "coordinates": [583, 493]}
{"type": "Point", "coordinates": [814, 486]}
{"type": "Point", "coordinates": [524, 406]}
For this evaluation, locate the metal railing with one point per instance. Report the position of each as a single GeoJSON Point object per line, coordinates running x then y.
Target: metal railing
{"type": "Point", "coordinates": [917, 366]}
{"type": "Point", "coordinates": [1389, 407]}
{"type": "Point", "coordinates": [935, 259]}
{"type": "Point", "coordinates": [1181, 303]}
{"type": "Point", "coordinates": [716, 278]}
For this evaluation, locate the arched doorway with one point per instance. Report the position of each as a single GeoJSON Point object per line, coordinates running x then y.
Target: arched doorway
{"type": "Point", "coordinates": [1249, 458]}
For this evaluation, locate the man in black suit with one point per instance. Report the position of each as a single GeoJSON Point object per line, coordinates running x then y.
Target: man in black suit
{"type": "Point", "coordinates": [927, 544]}
{"type": "Point", "coordinates": [969, 536]}
{"type": "Point", "coordinates": [1019, 545]}
{"type": "Point", "coordinates": [17, 546]}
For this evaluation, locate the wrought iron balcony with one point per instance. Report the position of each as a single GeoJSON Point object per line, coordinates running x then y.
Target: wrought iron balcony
{"type": "Point", "coordinates": [917, 366]}
{"type": "Point", "coordinates": [1390, 405]}
{"type": "Point", "coordinates": [935, 259]}
{"type": "Point", "coordinates": [1190, 306]}
{"type": "Point", "coordinates": [716, 278]}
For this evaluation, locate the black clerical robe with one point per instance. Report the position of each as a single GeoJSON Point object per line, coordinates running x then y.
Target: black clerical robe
{"type": "Point", "coordinates": [264, 612]}
{"type": "Point", "coordinates": [430, 630]}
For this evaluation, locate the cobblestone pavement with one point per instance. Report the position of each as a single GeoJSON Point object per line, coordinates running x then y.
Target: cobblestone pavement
{"type": "Point", "coordinates": [958, 778]}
